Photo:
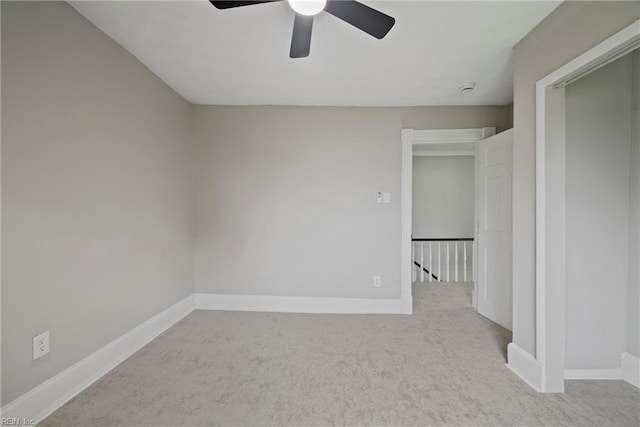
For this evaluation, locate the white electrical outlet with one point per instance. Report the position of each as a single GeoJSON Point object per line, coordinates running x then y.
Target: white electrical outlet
{"type": "Point", "coordinates": [40, 345]}
{"type": "Point", "coordinates": [376, 281]}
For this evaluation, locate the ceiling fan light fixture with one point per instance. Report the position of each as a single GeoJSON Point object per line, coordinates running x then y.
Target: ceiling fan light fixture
{"type": "Point", "coordinates": [307, 7]}
{"type": "Point", "coordinates": [361, 16]}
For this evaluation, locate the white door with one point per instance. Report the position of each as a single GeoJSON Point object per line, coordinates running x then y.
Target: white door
{"type": "Point", "coordinates": [493, 287]}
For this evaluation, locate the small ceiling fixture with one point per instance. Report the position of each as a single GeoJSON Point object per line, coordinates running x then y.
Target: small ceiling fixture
{"type": "Point", "coordinates": [467, 87]}
{"type": "Point", "coordinates": [307, 7]}
{"type": "Point", "coordinates": [352, 12]}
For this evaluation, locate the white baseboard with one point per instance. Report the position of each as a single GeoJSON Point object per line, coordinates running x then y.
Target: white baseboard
{"type": "Point", "coordinates": [629, 371]}
{"type": "Point", "coordinates": [525, 366]}
{"type": "Point", "coordinates": [631, 368]}
{"type": "Point", "coordinates": [285, 304]}
{"type": "Point", "coordinates": [41, 401]}
{"type": "Point", "coordinates": [593, 374]}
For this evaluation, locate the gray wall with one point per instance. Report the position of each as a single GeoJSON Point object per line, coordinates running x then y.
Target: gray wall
{"type": "Point", "coordinates": [598, 148]}
{"type": "Point", "coordinates": [443, 196]}
{"type": "Point", "coordinates": [96, 191]}
{"type": "Point", "coordinates": [571, 29]}
{"type": "Point", "coordinates": [286, 196]}
{"type": "Point", "coordinates": [633, 296]}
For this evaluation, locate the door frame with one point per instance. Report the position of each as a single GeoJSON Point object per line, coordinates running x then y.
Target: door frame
{"type": "Point", "coordinates": [551, 203]}
{"type": "Point", "coordinates": [425, 138]}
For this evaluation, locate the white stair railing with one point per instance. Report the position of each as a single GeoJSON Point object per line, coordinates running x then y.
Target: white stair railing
{"type": "Point", "coordinates": [423, 250]}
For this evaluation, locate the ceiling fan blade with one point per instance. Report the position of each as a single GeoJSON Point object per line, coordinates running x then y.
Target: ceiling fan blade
{"type": "Point", "coordinates": [361, 16]}
{"type": "Point", "coordinates": [228, 4]}
{"type": "Point", "coordinates": [301, 37]}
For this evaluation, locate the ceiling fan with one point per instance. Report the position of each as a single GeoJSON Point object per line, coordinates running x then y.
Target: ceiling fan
{"type": "Point", "coordinates": [355, 13]}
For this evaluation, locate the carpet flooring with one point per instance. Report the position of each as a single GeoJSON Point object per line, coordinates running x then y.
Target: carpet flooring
{"type": "Point", "coordinates": [444, 365]}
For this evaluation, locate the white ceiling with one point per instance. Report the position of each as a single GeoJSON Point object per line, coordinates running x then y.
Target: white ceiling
{"type": "Point", "coordinates": [241, 56]}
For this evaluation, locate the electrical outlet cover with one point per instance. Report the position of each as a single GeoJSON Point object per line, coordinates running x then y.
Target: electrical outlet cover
{"type": "Point", "coordinates": [40, 345]}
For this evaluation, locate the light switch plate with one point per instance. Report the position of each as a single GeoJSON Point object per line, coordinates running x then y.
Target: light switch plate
{"type": "Point", "coordinates": [379, 197]}
{"type": "Point", "coordinates": [386, 197]}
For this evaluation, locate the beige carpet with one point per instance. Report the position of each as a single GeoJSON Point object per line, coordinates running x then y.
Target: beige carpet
{"type": "Point", "coordinates": [442, 366]}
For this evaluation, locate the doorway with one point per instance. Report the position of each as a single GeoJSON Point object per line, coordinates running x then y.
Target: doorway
{"type": "Point", "coordinates": [449, 258]}
{"type": "Point", "coordinates": [578, 176]}
{"type": "Point", "coordinates": [443, 214]}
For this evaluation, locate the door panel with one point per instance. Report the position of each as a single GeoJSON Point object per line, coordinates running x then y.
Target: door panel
{"type": "Point", "coordinates": [494, 228]}
{"type": "Point", "coordinates": [492, 211]}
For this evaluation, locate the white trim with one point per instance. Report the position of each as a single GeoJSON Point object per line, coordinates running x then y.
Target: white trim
{"type": "Point", "coordinates": [540, 226]}
{"type": "Point", "coordinates": [287, 304]}
{"type": "Point", "coordinates": [406, 213]}
{"type": "Point", "coordinates": [447, 136]}
{"type": "Point", "coordinates": [550, 284]}
{"type": "Point", "coordinates": [631, 368]}
{"type": "Point", "coordinates": [525, 366]}
{"type": "Point", "coordinates": [444, 153]}
{"type": "Point", "coordinates": [617, 46]}
{"type": "Point", "coordinates": [597, 56]}
{"type": "Point", "coordinates": [41, 401]}
{"type": "Point", "coordinates": [628, 371]}
{"type": "Point", "coordinates": [476, 229]}
{"type": "Point", "coordinates": [593, 374]}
